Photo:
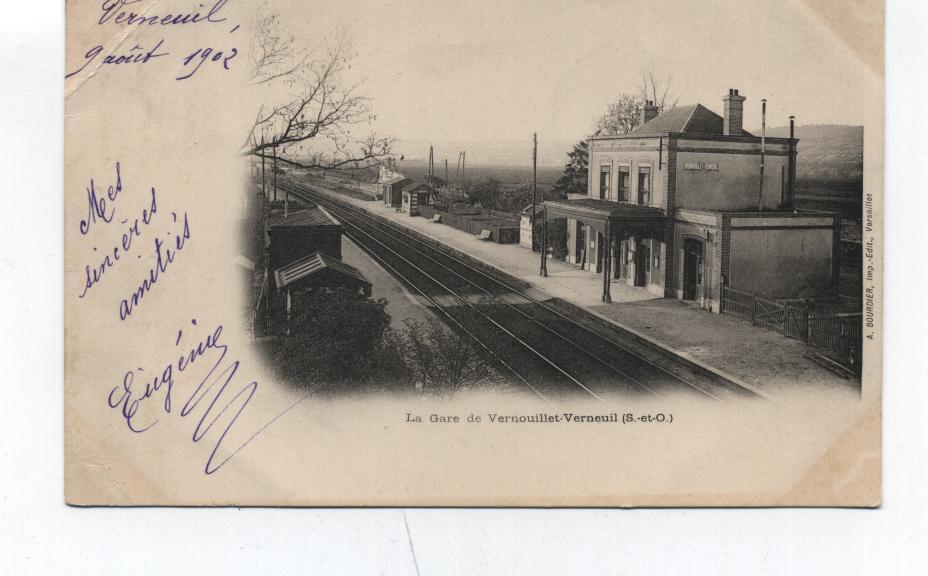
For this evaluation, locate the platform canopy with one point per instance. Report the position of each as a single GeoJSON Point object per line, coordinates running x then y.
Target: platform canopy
{"type": "Point", "coordinates": [605, 214]}
{"type": "Point", "coordinates": [607, 217]}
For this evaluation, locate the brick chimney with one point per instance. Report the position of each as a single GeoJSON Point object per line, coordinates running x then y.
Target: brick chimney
{"type": "Point", "coordinates": [734, 112]}
{"type": "Point", "coordinates": [648, 111]}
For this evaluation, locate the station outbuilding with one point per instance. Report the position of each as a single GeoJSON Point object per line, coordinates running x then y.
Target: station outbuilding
{"type": "Point", "coordinates": [292, 234]}
{"type": "Point", "coordinates": [393, 186]}
{"type": "Point", "coordinates": [416, 195]}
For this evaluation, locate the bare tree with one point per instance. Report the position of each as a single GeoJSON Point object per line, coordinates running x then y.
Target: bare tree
{"type": "Point", "coordinates": [317, 108]}
{"type": "Point", "coordinates": [440, 360]}
{"type": "Point", "coordinates": [624, 115]}
{"type": "Point", "coordinates": [660, 91]}
{"type": "Point", "coordinates": [273, 53]}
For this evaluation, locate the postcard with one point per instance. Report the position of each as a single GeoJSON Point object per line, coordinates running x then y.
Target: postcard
{"type": "Point", "coordinates": [436, 253]}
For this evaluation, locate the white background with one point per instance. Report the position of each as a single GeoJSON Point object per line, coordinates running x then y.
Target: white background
{"type": "Point", "coordinates": [40, 535]}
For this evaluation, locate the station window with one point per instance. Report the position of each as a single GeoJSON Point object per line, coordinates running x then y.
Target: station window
{"type": "Point", "coordinates": [605, 180]}
{"type": "Point", "coordinates": [624, 184]}
{"type": "Point", "coordinates": [644, 186]}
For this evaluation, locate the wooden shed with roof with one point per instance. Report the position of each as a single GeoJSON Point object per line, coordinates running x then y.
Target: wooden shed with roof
{"type": "Point", "coordinates": [312, 273]}
{"type": "Point", "coordinates": [292, 235]}
{"type": "Point", "coordinates": [393, 189]}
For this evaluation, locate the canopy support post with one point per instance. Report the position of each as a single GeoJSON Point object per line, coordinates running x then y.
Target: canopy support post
{"type": "Point", "coordinates": [607, 264]}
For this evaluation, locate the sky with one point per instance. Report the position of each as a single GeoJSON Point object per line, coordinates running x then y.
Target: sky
{"type": "Point", "coordinates": [499, 71]}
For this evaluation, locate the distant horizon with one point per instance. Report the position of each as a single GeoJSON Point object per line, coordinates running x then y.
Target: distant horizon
{"type": "Point", "coordinates": [551, 153]}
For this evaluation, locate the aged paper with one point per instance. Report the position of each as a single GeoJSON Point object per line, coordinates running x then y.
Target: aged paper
{"type": "Point", "coordinates": [303, 253]}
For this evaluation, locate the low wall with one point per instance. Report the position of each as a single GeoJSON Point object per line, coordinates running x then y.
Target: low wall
{"type": "Point", "coordinates": [427, 211]}
{"type": "Point", "coordinates": [472, 221]}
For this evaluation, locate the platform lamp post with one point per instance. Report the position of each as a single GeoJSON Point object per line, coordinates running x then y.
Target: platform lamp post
{"type": "Point", "coordinates": [607, 265]}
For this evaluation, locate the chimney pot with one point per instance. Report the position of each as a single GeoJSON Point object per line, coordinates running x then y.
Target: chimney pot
{"type": "Point", "coordinates": [734, 113]}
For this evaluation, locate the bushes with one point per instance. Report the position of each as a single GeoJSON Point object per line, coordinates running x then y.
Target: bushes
{"type": "Point", "coordinates": [339, 341]}
{"type": "Point", "coordinates": [439, 360]}
{"type": "Point", "coordinates": [557, 237]}
{"type": "Point", "coordinates": [445, 198]}
{"type": "Point", "coordinates": [332, 340]}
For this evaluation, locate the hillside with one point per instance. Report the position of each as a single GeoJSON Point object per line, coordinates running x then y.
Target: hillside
{"type": "Point", "coordinates": [830, 159]}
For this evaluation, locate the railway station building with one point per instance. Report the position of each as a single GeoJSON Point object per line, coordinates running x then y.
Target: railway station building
{"type": "Point", "coordinates": [681, 207]}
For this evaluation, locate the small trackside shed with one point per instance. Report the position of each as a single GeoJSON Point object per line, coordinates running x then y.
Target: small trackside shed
{"type": "Point", "coordinates": [393, 190]}
{"type": "Point", "coordinates": [313, 273]}
{"type": "Point", "coordinates": [293, 235]}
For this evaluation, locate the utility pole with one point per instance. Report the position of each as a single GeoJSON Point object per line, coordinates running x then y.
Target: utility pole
{"type": "Point", "coordinates": [446, 171]}
{"type": "Point", "coordinates": [763, 150]}
{"type": "Point", "coordinates": [275, 173]}
{"type": "Point", "coordinates": [431, 165]}
{"type": "Point", "coordinates": [263, 170]}
{"type": "Point", "coordinates": [534, 184]}
{"type": "Point", "coordinates": [791, 177]}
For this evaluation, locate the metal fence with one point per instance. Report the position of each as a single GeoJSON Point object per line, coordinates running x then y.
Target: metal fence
{"type": "Point", "coordinates": [837, 335]}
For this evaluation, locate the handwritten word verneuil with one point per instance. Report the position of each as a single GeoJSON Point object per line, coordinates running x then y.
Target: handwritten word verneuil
{"type": "Point", "coordinates": [113, 14]}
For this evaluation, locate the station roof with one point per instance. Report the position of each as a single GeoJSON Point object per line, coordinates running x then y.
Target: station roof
{"type": "Point", "coordinates": [598, 213]}
{"type": "Point", "coordinates": [395, 179]}
{"type": "Point", "coordinates": [316, 265]}
{"type": "Point", "coordinates": [415, 187]}
{"type": "Point", "coordinates": [694, 119]}
{"type": "Point", "coordinates": [313, 217]}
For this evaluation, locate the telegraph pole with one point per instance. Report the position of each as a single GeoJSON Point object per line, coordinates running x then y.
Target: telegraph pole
{"type": "Point", "coordinates": [763, 150]}
{"type": "Point", "coordinates": [534, 184]}
{"type": "Point", "coordinates": [263, 171]}
{"type": "Point", "coordinates": [275, 173]}
{"type": "Point", "coordinates": [431, 165]}
{"type": "Point", "coordinates": [791, 177]}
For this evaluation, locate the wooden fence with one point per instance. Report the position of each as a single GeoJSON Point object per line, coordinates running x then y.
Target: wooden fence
{"type": "Point", "coordinates": [837, 335]}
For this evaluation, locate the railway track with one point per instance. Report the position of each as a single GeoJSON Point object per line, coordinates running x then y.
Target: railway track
{"type": "Point", "coordinates": [543, 348]}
